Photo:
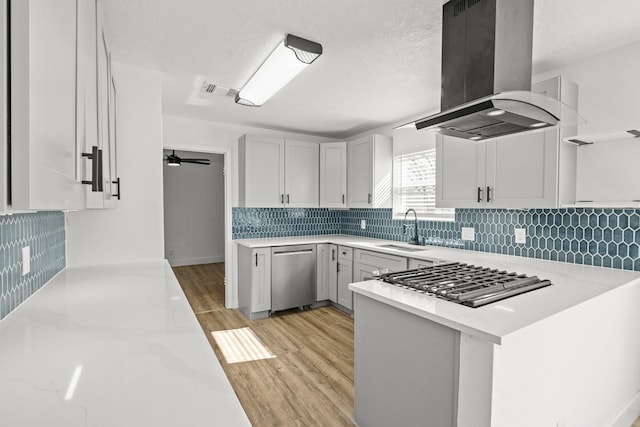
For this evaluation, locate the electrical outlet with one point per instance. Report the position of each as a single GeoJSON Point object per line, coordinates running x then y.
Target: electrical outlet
{"type": "Point", "coordinates": [363, 224]}
{"type": "Point", "coordinates": [26, 260]}
{"type": "Point", "coordinates": [521, 235]}
{"type": "Point", "coordinates": [468, 233]}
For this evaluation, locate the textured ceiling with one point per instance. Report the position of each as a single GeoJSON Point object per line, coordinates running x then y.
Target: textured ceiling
{"type": "Point", "coordinates": [381, 60]}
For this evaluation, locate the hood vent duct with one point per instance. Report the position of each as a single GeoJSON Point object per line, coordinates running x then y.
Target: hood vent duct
{"type": "Point", "coordinates": [486, 73]}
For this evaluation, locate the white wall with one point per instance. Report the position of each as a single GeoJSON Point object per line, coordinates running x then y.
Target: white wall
{"type": "Point", "coordinates": [134, 230]}
{"type": "Point", "coordinates": [194, 210]}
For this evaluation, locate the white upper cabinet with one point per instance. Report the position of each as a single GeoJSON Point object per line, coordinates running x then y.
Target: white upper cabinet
{"type": "Point", "coordinates": [277, 173]}
{"type": "Point", "coordinates": [530, 170]}
{"type": "Point", "coordinates": [301, 174]}
{"type": "Point", "coordinates": [370, 160]}
{"type": "Point", "coordinates": [333, 175]}
{"type": "Point", "coordinates": [44, 150]}
{"type": "Point", "coordinates": [261, 172]}
{"type": "Point", "coordinates": [87, 94]}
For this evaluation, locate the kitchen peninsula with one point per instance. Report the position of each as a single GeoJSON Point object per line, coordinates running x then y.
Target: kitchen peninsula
{"type": "Point", "coordinates": [566, 353]}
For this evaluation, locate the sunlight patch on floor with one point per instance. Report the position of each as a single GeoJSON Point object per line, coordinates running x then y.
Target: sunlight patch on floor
{"type": "Point", "coordinates": [241, 345]}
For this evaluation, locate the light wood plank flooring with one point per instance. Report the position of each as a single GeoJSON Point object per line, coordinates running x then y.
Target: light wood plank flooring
{"type": "Point", "coordinates": [308, 383]}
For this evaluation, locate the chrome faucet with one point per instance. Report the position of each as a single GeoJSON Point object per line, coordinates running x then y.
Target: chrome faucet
{"type": "Point", "coordinates": [414, 240]}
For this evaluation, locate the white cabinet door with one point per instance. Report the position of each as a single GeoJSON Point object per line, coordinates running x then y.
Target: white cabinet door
{"type": "Point", "coordinates": [333, 273]}
{"type": "Point", "coordinates": [44, 150]}
{"type": "Point", "coordinates": [370, 160]}
{"type": "Point", "coordinates": [420, 263]}
{"type": "Point", "coordinates": [88, 95]}
{"type": "Point", "coordinates": [4, 113]}
{"type": "Point", "coordinates": [360, 170]}
{"type": "Point", "coordinates": [323, 271]}
{"type": "Point", "coordinates": [261, 280]}
{"type": "Point", "coordinates": [301, 174]}
{"type": "Point", "coordinates": [460, 170]}
{"type": "Point", "coordinates": [261, 172]}
{"type": "Point", "coordinates": [333, 175]}
{"type": "Point", "coordinates": [345, 276]}
{"type": "Point", "coordinates": [522, 170]}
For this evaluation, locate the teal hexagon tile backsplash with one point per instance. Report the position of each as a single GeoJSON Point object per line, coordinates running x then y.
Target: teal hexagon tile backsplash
{"type": "Point", "coordinates": [600, 237]}
{"type": "Point", "coordinates": [44, 233]}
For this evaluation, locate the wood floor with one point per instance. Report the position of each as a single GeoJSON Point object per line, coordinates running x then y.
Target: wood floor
{"type": "Point", "coordinates": [308, 383]}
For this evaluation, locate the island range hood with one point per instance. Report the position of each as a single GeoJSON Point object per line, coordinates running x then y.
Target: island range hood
{"type": "Point", "coordinates": [486, 73]}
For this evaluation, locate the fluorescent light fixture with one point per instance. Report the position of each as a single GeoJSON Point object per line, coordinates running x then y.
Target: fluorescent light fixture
{"type": "Point", "coordinates": [291, 56]}
{"type": "Point", "coordinates": [496, 113]}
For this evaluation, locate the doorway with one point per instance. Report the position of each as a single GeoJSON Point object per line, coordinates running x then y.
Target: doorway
{"type": "Point", "coordinates": [197, 210]}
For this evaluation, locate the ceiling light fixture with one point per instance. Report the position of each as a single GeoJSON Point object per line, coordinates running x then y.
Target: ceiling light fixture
{"type": "Point", "coordinates": [496, 113]}
{"type": "Point", "coordinates": [173, 162]}
{"type": "Point", "coordinates": [475, 138]}
{"type": "Point", "coordinates": [292, 55]}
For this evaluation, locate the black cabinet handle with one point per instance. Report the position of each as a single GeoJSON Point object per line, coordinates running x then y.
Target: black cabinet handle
{"type": "Point", "coordinates": [100, 175]}
{"type": "Point", "coordinates": [488, 194]}
{"type": "Point", "coordinates": [333, 254]}
{"type": "Point", "coordinates": [343, 199]}
{"type": "Point", "coordinates": [369, 198]}
{"type": "Point", "coordinates": [95, 179]}
{"type": "Point", "coordinates": [282, 199]}
{"type": "Point", "coordinates": [479, 195]}
{"type": "Point", "coordinates": [256, 259]}
{"type": "Point", "coordinates": [117, 182]}
{"type": "Point", "coordinates": [288, 200]}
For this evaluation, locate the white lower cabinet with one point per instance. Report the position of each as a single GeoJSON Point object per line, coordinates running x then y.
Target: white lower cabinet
{"type": "Point", "coordinates": [323, 271]}
{"type": "Point", "coordinates": [366, 262]}
{"type": "Point", "coordinates": [333, 276]}
{"type": "Point", "coordinates": [421, 263]}
{"type": "Point", "coordinates": [254, 282]}
{"type": "Point", "coordinates": [345, 276]}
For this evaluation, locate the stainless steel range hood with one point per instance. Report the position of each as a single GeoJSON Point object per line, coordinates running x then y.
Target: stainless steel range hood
{"type": "Point", "coordinates": [486, 73]}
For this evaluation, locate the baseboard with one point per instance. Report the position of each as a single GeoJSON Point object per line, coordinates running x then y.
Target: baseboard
{"type": "Point", "coordinates": [195, 261]}
{"type": "Point", "coordinates": [628, 414]}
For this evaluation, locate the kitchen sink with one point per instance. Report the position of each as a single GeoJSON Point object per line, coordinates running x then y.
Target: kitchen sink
{"type": "Point", "coordinates": [401, 248]}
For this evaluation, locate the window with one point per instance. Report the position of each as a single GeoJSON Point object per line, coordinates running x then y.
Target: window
{"type": "Point", "coordinates": [414, 186]}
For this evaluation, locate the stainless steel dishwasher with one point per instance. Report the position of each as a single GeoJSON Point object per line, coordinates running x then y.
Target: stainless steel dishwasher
{"type": "Point", "coordinates": [293, 276]}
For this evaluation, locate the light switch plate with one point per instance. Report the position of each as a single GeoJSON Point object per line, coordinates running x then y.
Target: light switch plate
{"type": "Point", "coordinates": [26, 260]}
{"type": "Point", "coordinates": [521, 235]}
{"type": "Point", "coordinates": [468, 233]}
{"type": "Point", "coordinates": [363, 224]}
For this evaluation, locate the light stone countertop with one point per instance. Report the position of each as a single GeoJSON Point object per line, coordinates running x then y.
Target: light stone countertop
{"type": "Point", "coordinates": [572, 284]}
{"type": "Point", "coordinates": [113, 345]}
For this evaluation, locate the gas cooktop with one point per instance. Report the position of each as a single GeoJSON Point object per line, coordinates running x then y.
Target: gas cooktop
{"type": "Point", "coordinates": [465, 284]}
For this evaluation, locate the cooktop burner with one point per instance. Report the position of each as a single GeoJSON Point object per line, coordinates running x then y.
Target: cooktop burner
{"type": "Point", "coordinates": [465, 284]}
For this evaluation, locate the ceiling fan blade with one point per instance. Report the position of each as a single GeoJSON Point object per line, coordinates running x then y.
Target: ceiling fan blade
{"type": "Point", "coordinates": [196, 161]}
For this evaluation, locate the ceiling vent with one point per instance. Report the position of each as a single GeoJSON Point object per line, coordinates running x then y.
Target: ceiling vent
{"type": "Point", "coordinates": [213, 89]}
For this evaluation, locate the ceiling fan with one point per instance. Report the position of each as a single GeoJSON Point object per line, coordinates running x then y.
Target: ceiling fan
{"type": "Point", "coordinates": [174, 160]}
